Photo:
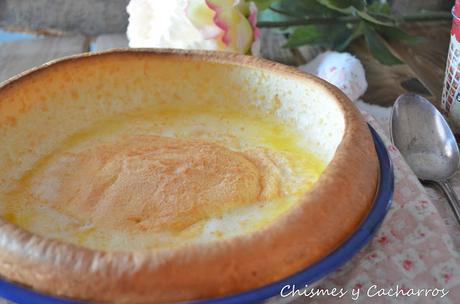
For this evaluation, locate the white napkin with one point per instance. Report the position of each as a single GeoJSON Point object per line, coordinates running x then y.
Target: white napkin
{"type": "Point", "coordinates": [340, 69]}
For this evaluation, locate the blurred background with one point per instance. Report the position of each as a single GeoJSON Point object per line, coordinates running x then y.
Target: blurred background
{"type": "Point", "coordinates": [35, 31]}
{"type": "Point", "coordinates": [95, 17]}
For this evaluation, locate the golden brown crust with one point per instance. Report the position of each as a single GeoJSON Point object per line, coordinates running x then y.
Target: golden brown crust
{"type": "Point", "coordinates": [326, 216]}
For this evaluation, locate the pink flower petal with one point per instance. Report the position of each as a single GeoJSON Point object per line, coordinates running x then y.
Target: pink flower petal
{"type": "Point", "coordinates": [238, 34]}
{"type": "Point", "coordinates": [253, 20]}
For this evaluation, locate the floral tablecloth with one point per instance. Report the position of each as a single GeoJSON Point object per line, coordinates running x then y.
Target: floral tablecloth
{"type": "Point", "coordinates": [417, 247]}
{"type": "Point", "coordinates": [415, 256]}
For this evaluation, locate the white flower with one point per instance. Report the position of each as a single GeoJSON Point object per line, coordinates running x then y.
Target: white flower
{"type": "Point", "coordinates": [226, 25]}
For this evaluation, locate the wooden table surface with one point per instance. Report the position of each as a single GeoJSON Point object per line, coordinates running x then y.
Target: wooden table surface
{"type": "Point", "coordinates": [423, 73]}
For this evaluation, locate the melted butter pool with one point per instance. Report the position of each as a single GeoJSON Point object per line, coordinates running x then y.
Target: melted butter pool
{"type": "Point", "coordinates": [298, 166]}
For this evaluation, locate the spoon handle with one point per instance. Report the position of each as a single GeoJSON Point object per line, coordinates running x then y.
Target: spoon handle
{"type": "Point", "coordinates": [451, 198]}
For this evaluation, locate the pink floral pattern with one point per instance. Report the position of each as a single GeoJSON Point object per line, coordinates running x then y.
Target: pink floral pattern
{"type": "Point", "coordinates": [412, 249]}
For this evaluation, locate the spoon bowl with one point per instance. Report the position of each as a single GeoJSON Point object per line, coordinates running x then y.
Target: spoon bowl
{"type": "Point", "coordinates": [427, 143]}
{"type": "Point", "coordinates": [423, 136]}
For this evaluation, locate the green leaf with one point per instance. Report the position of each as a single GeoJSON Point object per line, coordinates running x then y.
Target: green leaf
{"type": "Point", "coordinates": [378, 47]}
{"type": "Point", "coordinates": [359, 8]}
{"type": "Point", "coordinates": [262, 4]}
{"type": "Point", "coordinates": [309, 8]}
{"type": "Point", "coordinates": [344, 6]}
{"type": "Point", "coordinates": [336, 37]}
{"type": "Point", "coordinates": [272, 16]}
{"type": "Point", "coordinates": [377, 19]}
{"type": "Point", "coordinates": [394, 33]}
{"type": "Point", "coordinates": [303, 35]}
{"type": "Point", "coordinates": [302, 9]}
{"type": "Point", "coordinates": [341, 41]}
{"type": "Point", "coordinates": [358, 31]}
{"type": "Point", "coordinates": [379, 7]}
{"type": "Point", "coordinates": [269, 15]}
{"type": "Point", "coordinates": [293, 11]}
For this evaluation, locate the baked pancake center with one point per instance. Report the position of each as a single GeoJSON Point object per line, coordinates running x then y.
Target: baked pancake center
{"type": "Point", "coordinates": [154, 183]}
{"type": "Point", "coordinates": [161, 179]}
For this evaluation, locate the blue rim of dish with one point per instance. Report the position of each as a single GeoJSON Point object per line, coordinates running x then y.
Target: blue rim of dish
{"type": "Point", "coordinates": [315, 272]}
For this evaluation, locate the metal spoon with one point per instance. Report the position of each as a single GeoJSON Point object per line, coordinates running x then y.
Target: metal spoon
{"type": "Point", "coordinates": [425, 140]}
